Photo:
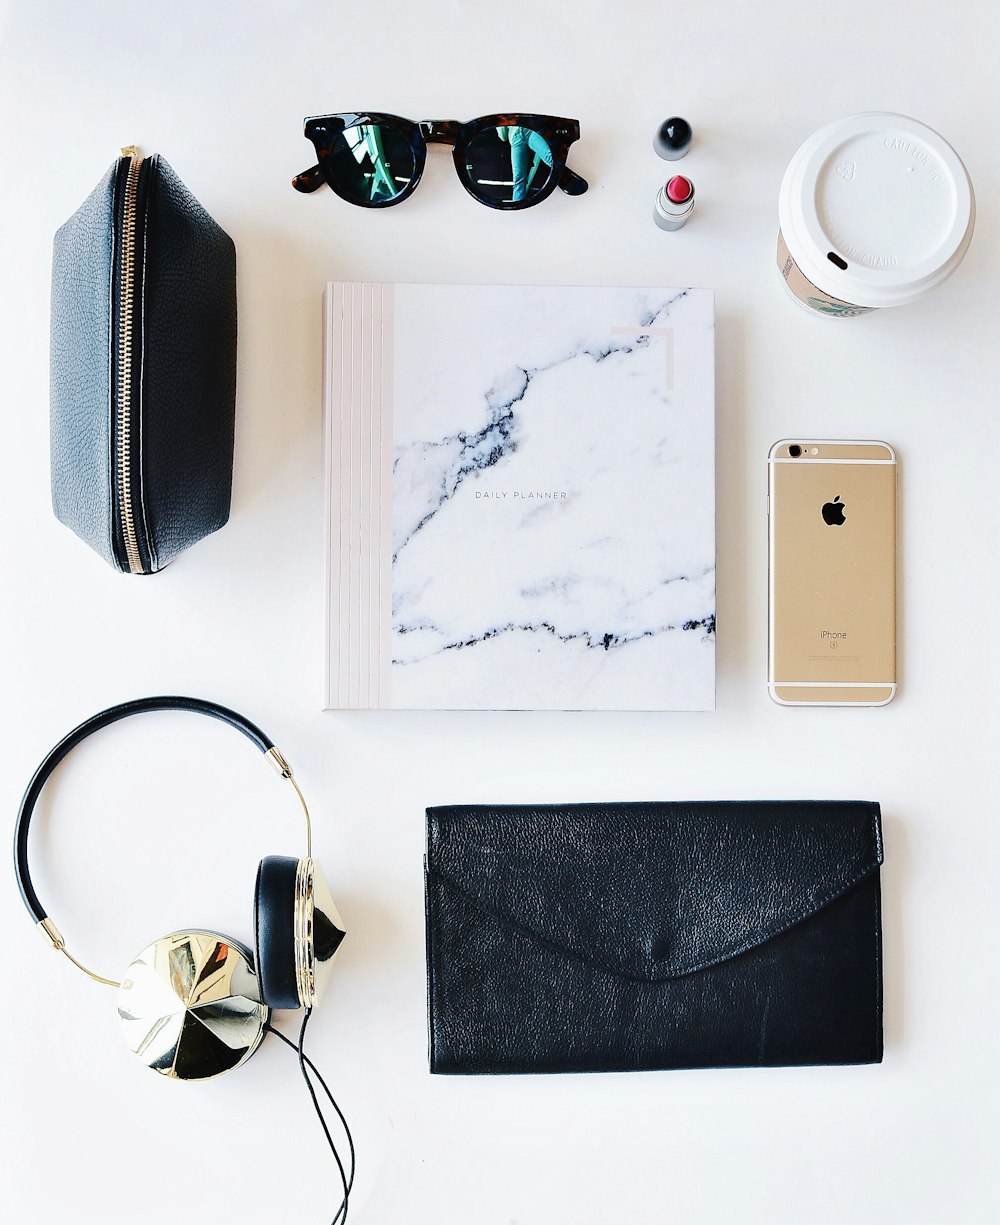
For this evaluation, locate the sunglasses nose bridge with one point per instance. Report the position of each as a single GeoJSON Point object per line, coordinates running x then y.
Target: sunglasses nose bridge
{"type": "Point", "coordinates": [439, 131]}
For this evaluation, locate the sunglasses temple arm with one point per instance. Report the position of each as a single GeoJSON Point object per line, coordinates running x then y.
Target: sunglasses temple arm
{"type": "Point", "coordinates": [571, 183]}
{"type": "Point", "coordinates": [308, 180]}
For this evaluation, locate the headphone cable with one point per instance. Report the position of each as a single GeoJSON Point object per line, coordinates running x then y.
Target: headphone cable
{"type": "Point", "coordinates": [306, 1066]}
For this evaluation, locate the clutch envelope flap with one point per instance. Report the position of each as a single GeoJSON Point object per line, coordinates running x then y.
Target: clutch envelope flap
{"type": "Point", "coordinates": [654, 891]}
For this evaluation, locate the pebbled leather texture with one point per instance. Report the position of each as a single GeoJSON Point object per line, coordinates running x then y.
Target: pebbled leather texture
{"type": "Point", "coordinates": [274, 930]}
{"type": "Point", "coordinates": [79, 370]}
{"type": "Point", "coordinates": [184, 373]}
{"type": "Point", "coordinates": [621, 937]}
{"type": "Point", "coordinates": [188, 369]}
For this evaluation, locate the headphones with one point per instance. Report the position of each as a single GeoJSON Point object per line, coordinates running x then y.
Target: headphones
{"type": "Point", "coordinates": [196, 1003]}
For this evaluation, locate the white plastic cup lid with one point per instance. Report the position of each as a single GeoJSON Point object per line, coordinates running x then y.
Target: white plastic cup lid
{"type": "Point", "coordinates": [876, 209]}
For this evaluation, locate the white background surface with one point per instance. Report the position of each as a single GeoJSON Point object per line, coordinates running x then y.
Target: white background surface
{"type": "Point", "coordinates": [159, 823]}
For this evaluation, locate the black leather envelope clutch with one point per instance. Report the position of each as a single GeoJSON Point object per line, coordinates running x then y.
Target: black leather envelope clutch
{"type": "Point", "coordinates": [618, 937]}
{"type": "Point", "coordinates": [143, 367]}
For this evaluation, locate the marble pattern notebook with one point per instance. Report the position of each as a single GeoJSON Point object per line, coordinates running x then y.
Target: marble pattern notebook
{"type": "Point", "coordinates": [520, 497]}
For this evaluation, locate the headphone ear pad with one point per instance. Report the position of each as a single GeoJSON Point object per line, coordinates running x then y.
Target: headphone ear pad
{"type": "Point", "coordinates": [274, 930]}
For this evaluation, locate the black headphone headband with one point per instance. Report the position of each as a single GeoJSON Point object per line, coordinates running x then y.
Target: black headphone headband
{"type": "Point", "coordinates": [94, 724]}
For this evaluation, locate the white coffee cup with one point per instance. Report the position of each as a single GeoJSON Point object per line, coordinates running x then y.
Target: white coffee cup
{"type": "Point", "coordinates": [874, 210]}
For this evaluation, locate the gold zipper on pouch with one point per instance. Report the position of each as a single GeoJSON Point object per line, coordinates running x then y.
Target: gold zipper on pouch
{"type": "Point", "coordinates": [123, 407]}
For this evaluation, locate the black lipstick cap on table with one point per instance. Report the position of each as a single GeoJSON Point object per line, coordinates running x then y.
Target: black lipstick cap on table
{"type": "Point", "coordinates": [673, 138]}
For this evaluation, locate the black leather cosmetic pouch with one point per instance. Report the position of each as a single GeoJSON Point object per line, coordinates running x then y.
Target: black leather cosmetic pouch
{"type": "Point", "coordinates": [620, 937]}
{"type": "Point", "coordinates": [143, 367]}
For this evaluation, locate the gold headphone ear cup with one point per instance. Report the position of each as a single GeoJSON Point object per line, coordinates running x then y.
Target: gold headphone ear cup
{"type": "Point", "coordinates": [274, 930]}
{"type": "Point", "coordinates": [319, 931]}
{"type": "Point", "coordinates": [190, 1005]}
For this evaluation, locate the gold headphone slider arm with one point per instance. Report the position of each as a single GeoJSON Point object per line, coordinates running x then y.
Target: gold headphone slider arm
{"type": "Point", "coordinates": [275, 757]}
{"type": "Point", "coordinates": [52, 934]}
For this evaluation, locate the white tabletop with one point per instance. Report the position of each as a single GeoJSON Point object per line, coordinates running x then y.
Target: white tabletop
{"type": "Point", "coordinates": [159, 823]}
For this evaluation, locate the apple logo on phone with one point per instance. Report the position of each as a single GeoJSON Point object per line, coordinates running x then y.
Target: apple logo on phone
{"type": "Point", "coordinates": [833, 512]}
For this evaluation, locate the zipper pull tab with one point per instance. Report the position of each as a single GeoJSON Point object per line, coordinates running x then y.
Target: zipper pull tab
{"type": "Point", "coordinates": [131, 151]}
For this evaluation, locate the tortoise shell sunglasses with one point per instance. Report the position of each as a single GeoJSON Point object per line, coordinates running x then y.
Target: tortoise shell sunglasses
{"type": "Point", "coordinates": [504, 161]}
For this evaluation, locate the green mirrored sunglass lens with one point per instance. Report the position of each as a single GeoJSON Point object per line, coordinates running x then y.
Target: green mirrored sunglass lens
{"type": "Point", "coordinates": [370, 162]}
{"type": "Point", "coordinates": [508, 165]}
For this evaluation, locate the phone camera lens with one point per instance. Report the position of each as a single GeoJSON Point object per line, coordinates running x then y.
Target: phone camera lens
{"type": "Point", "coordinates": [795, 450]}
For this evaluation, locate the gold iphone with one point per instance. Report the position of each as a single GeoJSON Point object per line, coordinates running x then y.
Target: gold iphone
{"type": "Point", "coordinates": [832, 573]}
